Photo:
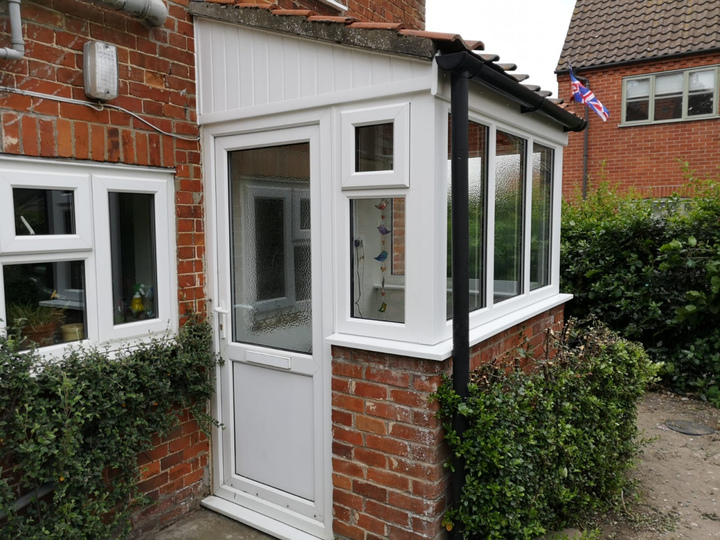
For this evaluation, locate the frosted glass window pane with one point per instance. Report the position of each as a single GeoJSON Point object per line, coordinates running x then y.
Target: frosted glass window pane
{"type": "Point", "coordinates": [509, 180]}
{"type": "Point", "coordinates": [477, 182]}
{"type": "Point", "coordinates": [133, 257]}
{"type": "Point", "coordinates": [541, 216]}
{"type": "Point", "coordinates": [374, 148]}
{"type": "Point", "coordinates": [668, 84]}
{"type": "Point", "coordinates": [43, 211]}
{"type": "Point", "coordinates": [45, 302]}
{"type": "Point", "coordinates": [270, 247]}
{"type": "Point", "coordinates": [376, 294]}
{"type": "Point", "coordinates": [638, 88]}
{"type": "Point", "coordinates": [701, 80]}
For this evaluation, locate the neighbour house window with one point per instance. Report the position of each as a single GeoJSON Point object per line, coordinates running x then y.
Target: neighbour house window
{"type": "Point", "coordinates": [520, 249]}
{"type": "Point", "coordinates": [671, 96]}
{"type": "Point", "coordinates": [85, 252]}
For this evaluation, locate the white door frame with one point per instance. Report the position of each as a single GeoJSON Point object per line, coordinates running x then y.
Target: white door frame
{"type": "Point", "coordinates": [262, 514]}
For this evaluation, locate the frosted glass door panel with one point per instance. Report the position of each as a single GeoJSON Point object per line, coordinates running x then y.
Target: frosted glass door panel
{"type": "Point", "coordinates": [270, 247]}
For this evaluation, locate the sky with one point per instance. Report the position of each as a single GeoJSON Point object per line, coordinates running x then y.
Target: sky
{"type": "Point", "coordinates": [529, 33]}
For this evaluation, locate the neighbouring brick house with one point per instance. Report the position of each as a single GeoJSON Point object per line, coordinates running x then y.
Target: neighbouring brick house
{"type": "Point", "coordinates": [654, 65]}
{"type": "Point", "coordinates": [283, 127]}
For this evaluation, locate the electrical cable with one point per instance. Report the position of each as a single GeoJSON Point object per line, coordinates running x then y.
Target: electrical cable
{"type": "Point", "coordinates": [95, 106]}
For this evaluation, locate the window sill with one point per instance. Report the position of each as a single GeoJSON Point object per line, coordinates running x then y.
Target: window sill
{"type": "Point", "coordinates": [672, 121]}
{"type": "Point", "coordinates": [443, 350]}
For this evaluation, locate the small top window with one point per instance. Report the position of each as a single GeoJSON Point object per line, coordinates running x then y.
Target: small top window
{"type": "Point", "coordinates": [672, 96]}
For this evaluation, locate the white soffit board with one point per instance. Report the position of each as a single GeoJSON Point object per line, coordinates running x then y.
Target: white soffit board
{"type": "Point", "coordinates": [252, 72]}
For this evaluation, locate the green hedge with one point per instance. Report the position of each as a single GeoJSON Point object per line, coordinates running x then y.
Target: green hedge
{"type": "Point", "coordinates": [650, 270]}
{"type": "Point", "coordinates": [543, 447]}
{"type": "Point", "coordinates": [78, 424]}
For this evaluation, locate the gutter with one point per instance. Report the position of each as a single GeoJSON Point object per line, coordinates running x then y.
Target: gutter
{"type": "Point", "coordinates": [17, 51]}
{"type": "Point", "coordinates": [494, 76]}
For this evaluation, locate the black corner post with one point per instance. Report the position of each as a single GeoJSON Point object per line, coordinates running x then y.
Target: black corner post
{"type": "Point", "coordinates": [460, 265]}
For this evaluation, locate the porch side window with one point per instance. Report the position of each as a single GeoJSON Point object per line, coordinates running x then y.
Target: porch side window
{"type": "Point", "coordinates": [477, 189]}
{"type": "Point", "coordinates": [541, 216]}
{"type": "Point", "coordinates": [509, 209]}
{"type": "Point", "coordinates": [377, 284]}
{"type": "Point", "coordinates": [270, 247]}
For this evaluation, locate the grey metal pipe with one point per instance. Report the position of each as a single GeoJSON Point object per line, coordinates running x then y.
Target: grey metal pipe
{"type": "Point", "coordinates": [153, 12]}
{"type": "Point", "coordinates": [18, 44]}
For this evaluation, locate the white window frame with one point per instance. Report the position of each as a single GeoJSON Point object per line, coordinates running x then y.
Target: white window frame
{"type": "Point", "coordinates": [685, 93]}
{"type": "Point", "coordinates": [91, 184]}
{"type": "Point", "coordinates": [102, 186]}
{"type": "Point", "coordinates": [399, 176]}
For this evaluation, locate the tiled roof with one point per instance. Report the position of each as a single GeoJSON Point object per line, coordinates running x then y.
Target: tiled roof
{"type": "Point", "coordinates": [620, 31]}
{"type": "Point", "coordinates": [383, 37]}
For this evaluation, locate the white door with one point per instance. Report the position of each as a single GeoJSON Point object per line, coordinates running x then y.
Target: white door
{"type": "Point", "coordinates": [269, 309]}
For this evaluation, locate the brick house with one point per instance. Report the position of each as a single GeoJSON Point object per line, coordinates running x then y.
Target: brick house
{"type": "Point", "coordinates": [291, 162]}
{"type": "Point", "coordinates": [655, 66]}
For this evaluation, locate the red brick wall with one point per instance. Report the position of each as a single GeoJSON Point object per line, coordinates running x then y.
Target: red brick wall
{"type": "Point", "coordinates": [157, 81]}
{"type": "Point", "coordinates": [409, 12]}
{"type": "Point", "coordinates": [644, 158]}
{"type": "Point", "coordinates": [174, 475]}
{"type": "Point", "coordinates": [388, 448]}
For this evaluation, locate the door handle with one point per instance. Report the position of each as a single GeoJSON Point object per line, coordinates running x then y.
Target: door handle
{"type": "Point", "coordinates": [222, 320]}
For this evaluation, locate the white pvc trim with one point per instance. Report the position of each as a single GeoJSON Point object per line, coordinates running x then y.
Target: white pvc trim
{"type": "Point", "coordinates": [443, 350]}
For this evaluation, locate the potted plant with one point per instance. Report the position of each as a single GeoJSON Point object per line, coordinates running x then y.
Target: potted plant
{"type": "Point", "coordinates": [35, 322]}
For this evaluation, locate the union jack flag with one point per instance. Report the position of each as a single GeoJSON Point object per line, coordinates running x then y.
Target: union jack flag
{"type": "Point", "coordinates": [585, 95]}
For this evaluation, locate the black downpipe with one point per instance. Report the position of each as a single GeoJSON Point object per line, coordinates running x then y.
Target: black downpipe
{"type": "Point", "coordinates": [460, 265]}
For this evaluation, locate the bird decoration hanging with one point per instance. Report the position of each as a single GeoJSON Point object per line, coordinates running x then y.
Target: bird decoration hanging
{"type": "Point", "coordinates": [383, 255]}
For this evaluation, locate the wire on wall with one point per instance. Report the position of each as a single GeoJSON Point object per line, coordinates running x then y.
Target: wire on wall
{"type": "Point", "coordinates": [96, 107]}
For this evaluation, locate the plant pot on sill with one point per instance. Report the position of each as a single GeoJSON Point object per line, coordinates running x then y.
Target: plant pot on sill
{"type": "Point", "coordinates": [41, 335]}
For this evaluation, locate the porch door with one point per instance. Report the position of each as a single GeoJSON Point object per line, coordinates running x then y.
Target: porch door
{"type": "Point", "coordinates": [273, 455]}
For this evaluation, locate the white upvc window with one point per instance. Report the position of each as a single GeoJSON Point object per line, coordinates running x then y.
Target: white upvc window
{"type": "Point", "coordinates": [512, 206]}
{"type": "Point", "coordinates": [86, 252]}
{"type": "Point", "coordinates": [671, 96]}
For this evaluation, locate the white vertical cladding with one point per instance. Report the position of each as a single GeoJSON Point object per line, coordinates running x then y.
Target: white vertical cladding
{"type": "Point", "coordinates": [245, 72]}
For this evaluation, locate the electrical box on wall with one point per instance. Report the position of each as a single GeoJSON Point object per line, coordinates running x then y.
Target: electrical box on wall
{"type": "Point", "coordinates": [100, 70]}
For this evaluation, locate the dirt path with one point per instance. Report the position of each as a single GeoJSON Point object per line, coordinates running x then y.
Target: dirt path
{"type": "Point", "coordinates": [679, 476]}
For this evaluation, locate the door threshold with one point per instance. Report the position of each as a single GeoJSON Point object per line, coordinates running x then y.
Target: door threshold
{"type": "Point", "coordinates": [257, 521]}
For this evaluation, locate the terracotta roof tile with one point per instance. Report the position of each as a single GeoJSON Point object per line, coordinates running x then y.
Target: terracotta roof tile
{"type": "Point", "coordinates": [603, 32]}
{"type": "Point", "coordinates": [295, 12]}
{"type": "Point", "coordinates": [262, 5]}
{"type": "Point", "coordinates": [377, 26]}
{"type": "Point", "coordinates": [451, 42]}
{"type": "Point", "coordinates": [332, 19]}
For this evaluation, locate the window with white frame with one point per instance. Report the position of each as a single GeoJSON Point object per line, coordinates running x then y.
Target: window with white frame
{"type": "Point", "coordinates": [522, 188]}
{"type": "Point", "coordinates": [85, 252]}
{"type": "Point", "coordinates": [671, 96]}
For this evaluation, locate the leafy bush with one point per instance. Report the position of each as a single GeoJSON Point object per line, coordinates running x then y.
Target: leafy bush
{"type": "Point", "coordinates": [76, 426]}
{"type": "Point", "coordinates": [544, 446]}
{"type": "Point", "coordinates": [650, 270]}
